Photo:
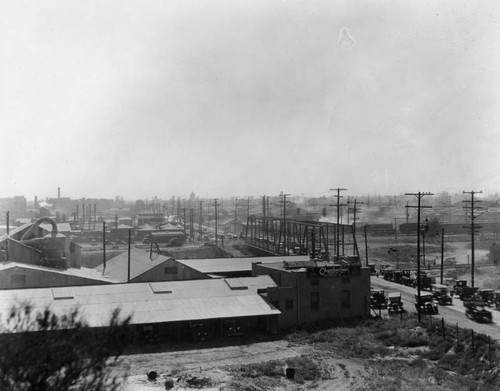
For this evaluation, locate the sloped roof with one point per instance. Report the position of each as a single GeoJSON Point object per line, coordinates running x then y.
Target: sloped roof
{"type": "Point", "coordinates": [225, 265]}
{"type": "Point", "coordinates": [16, 230]}
{"type": "Point", "coordinates": [140, 262]}
{"type": "Point", "coordinates": [83, 272]}
{"type": "Point", "coordinates": [157, 302]}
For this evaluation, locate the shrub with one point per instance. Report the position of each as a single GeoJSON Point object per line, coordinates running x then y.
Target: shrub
{"type": "Point", "coordinates": [44, 351]}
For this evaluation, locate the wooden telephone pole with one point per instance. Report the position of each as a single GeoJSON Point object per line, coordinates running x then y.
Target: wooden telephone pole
{"type": "Point", "coordinates": [419, 206]}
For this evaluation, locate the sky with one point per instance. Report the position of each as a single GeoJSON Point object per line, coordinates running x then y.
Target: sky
{"type": "Point", "coordinates": [248, 98]}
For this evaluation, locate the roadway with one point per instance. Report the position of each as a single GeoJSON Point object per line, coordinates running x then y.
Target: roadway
{"type": "Point", "coordinates": [453, 314]}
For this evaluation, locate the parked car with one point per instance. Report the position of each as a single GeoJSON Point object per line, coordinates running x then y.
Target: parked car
{"type": "Point", "coordinates": [427, 304]}
{"type": "Point", "coordinates": [378, 299]}
{"type": "Point", "coordinates": [395, 304]}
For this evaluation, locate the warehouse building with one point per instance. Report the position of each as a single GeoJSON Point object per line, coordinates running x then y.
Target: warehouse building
{"type": "Point", "coordinates": [177, 311]}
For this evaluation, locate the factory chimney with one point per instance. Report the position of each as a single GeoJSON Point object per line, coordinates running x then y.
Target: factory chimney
{"type": "Point", "coordinates": [36, 202]}
{"type": "Point", "coordinates": [58, 193]}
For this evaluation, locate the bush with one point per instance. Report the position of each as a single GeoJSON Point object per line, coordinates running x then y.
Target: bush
{"type": "Point", "coordinates": [43, 351]}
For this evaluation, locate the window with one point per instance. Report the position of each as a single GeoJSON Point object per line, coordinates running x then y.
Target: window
{"type": "Point", "coordinates": [289, 305]}
{"type": "Point", "coordinates": [170, 270]}
{"type": "Point", "coordinates": [18, 279]}
{"type": "Point", "coordinates": [314, 300]}
{"type": "Point", "coordinates": [346, 300]}
{"type": "Point", "coordinates": [314, 281]}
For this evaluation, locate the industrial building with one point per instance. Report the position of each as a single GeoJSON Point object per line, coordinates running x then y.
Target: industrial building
{"type": "Point", "coordinates": [39, 255]}
{"type": "Point", "coordinates": [144, 266]}
{"type": "Point", "coordinates": [310, 291]}
{"type": "Point", "coordinates": [176, 310]}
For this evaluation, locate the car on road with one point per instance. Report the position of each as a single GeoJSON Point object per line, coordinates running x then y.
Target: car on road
{"type": "Point", "coordinates": [427, 304]}
{"type": "Point", "coordinates": [476, 310]}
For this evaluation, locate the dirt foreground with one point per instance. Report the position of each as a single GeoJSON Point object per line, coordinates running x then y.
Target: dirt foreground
{"type": "Point", "coordinates": [217, 365]}
{"type": "Point", "coordinates": [385, 355]}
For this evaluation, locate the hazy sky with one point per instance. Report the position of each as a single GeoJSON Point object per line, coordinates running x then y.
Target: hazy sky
{"type": "Point", "coordinates": [236, 98]}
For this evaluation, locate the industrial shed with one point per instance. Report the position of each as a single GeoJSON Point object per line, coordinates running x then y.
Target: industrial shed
{"type": "Point", "coordinates": [173, 309]}
{"type": "Point", "coordinates": [15, 275]}
{"type": "Point", "coordinates": [144, 266]}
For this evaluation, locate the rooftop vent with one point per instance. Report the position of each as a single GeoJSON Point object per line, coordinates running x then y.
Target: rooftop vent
{"type": "Point", "coordinates": [159, 287]}
{"type": "Point", "coordinates": [236, 284]}
{"type": "Point", "coordinates": [62, 293]}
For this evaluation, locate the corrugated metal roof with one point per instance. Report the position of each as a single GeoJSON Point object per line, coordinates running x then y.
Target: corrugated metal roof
{"type": "Point", "coordinates": [140, 262]}
{"type": "Point", "coordinates": [224, 265]}
{"type": "Point", "coordinates": [83, 272]}
{"type": "Point", "coordinates": [188, 300]}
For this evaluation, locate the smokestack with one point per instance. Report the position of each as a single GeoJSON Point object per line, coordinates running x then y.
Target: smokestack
{"type": "Point", "coordinates": [36, 202]}
{"type": "Point", "coordinates": [58, 193]}
{"type": "Point", "coordinates": [116, 221]}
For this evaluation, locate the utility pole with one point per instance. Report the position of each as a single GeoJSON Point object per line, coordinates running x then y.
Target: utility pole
{"type": "Point", "coordinates": [103, 246]}
{"type": "Point", "coordinates": [128, 254]}
{"type": "Point", "coordinates": [419, 206]}
{"type": "Point", "coordinates": [366, 244]}
{"type": "Point", "coordinates": [337, 230]}
{"type": "Point", "coordinates": [200, 228]}
{"type": "Point", "coordinates": [285, 241]}
{"type": "Point", "coordinates": [348, 209]}
{"type": "Point", "coordinates": [355, 210]}
{"type": "Point", "coordinates": [191, 224]}
{"type": "Point", "coordinates": [235, 212]}
{"type": "Point", "coordinates": [7, 217]}
{"type": "Point", "coordinates": [216, 221]}
{"type": "Point", "coordinates": [184, 220]}
{"type": "Point", "coordinates": [472, 228]}
{"type": "Point", "coordinates": [442, 254]}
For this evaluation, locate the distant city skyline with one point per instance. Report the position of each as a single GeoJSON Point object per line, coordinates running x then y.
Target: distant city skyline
{"type": "Point", "coordinates": [249, 98]}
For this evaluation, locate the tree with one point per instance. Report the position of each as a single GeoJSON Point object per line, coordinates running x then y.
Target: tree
{"type": "Point", "coordinates": [44, 351]}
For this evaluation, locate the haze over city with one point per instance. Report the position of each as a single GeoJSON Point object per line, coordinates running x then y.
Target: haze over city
{"type": "Point", "coordinates": [248, 98]}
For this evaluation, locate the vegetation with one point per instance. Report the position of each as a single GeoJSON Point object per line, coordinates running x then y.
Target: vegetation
{"type": "Point", "coordinates": [44, 351]}
{"type": "Point", "coordinates": [408, 352]}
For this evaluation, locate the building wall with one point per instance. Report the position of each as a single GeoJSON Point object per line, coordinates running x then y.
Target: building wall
{"type": "Point", "coordinates": [19, 277]}
{"type": "Point", "coordinates": [170, 270]}
{"type": "Point", "coordinates": [20, 253]}
{"type": "Point", "coordinates": [303, 299]}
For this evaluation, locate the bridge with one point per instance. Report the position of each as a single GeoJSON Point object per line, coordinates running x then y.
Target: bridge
{"type": "Point", "coordinates": [281, 236]}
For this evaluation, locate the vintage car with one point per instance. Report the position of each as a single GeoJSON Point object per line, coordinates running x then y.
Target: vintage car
{"type": "Point", "coordinates": [441, 294]}
{"type": "Point", "coordinates": [477, 311]}
{"type": "Point", "coordinates": [377, 299]}
{"type": "Point", "coordinates": [395, 304]}
{"type": "Point", "coordinates": [427, 304]}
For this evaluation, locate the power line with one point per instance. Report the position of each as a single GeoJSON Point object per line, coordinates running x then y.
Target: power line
{"type": "Point", "coordinates": [472, 228]}
{"type": "Point", "coordinates": [337, 231]}
{"type": "Point", "coordinates": [419, 206]}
